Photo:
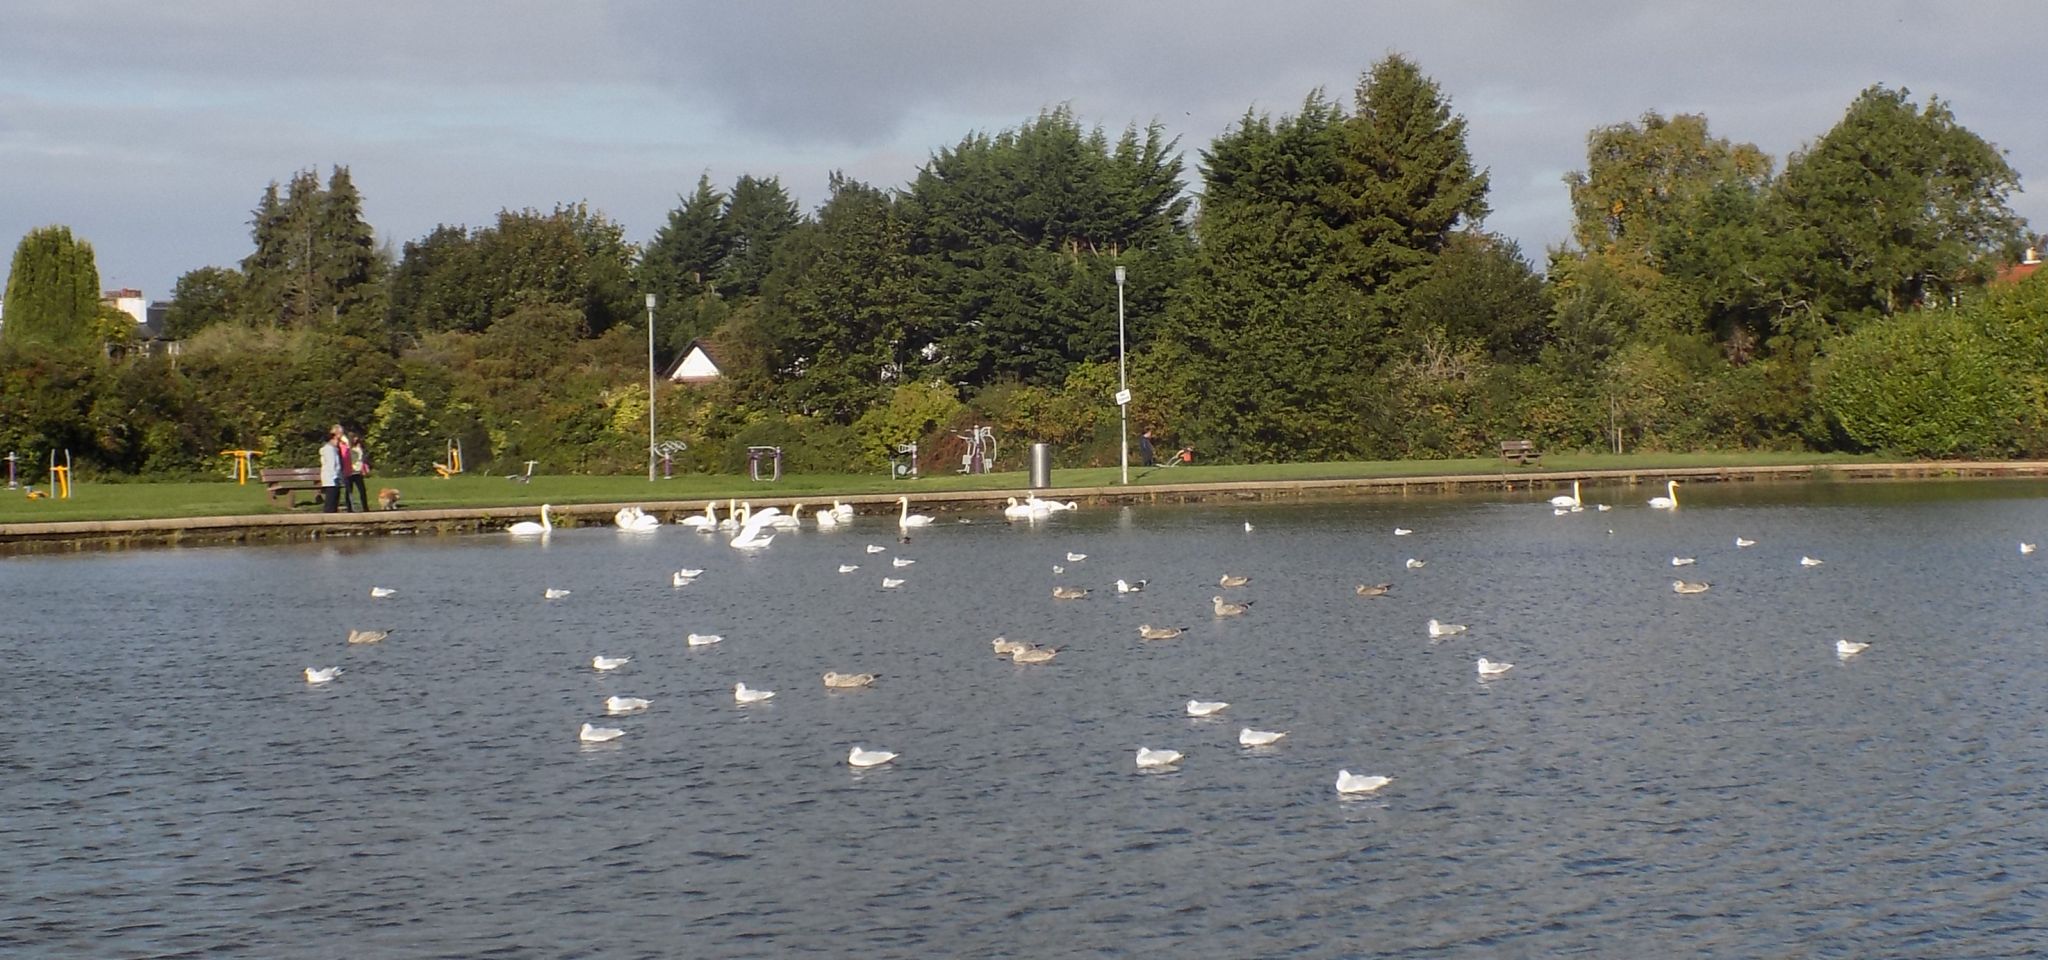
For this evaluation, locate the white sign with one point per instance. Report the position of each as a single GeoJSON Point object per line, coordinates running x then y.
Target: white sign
{"type": "Point", "coordinates": [1123, 397]}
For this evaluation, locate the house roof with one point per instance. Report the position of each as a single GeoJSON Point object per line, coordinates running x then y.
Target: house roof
{"type": "Point", "coordinates": [695, 346]}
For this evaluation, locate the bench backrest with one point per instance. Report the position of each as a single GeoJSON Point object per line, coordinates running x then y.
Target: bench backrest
{"type": "Point", "coordinates": [288, 474]}
{"type": "Point", "coordinates": [1517, 446]}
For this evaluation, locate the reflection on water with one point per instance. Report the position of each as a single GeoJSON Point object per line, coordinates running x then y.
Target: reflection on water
{"type": "Point", "coordinates": [1657, 770]}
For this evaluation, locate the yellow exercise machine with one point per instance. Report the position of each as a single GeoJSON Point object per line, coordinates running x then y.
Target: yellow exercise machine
{"type": "Point", "coordinates": [241, 463]}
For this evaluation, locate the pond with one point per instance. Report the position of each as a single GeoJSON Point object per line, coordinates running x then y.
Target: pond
{"type": "Point", "coordinates": [1657, 770]}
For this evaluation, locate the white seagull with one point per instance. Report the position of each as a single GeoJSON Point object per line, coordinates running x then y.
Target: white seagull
{"type": "Point", "coordinates": [381, 592]}
{"type": "Point", "coordinates": [1206, 708]}
{"type": "Point", "coordinates": [1488, 669]}
{"type": "Point", "coordinates": [741, 693]}
{"type": "Point", "coordinates": [319, 675]}
{"type": "Point", "coordinates": [1688, 586]}
{"type": "Point", "coordinates": [875, 548]}
{"type": "Point", "coordinates": [1076, 557]}
{"type": "Point", "coordinates": [702, 639]}
{"type": "Point", "coordinates": [861, 757]}
{"type": "Point", "coordinates": [602, 662]}
{"type": "Point", "coordinates": [1348, 782]}
{"type": "Point", "coordinates": [1810, 562]}
{"type": "Point", "coordinates": [2025, 548]}
{"type": "Point", "coordinates": [554, 593]}
{"type": "Point", "coordinates": [1744, 542]}
{"type": "Point", "coordinates": [1438, 628]}
{"type": "Point", "coordinates": [1849, 648]}
{"type": "Point", "coordinates": [891, 583]}
{"type": "Point", "coordinates": [1150, 759]}
{"type": "Point", "coordinates": [846, 567]}
{"type": "Point", "coordinates": [1683, 561]}
{"type": "Point", "coordinates": [614, 706]}
{"type": "Point", "coordinates": [1402, 531]}
{"type": "Point", "coordinates": [1414, 564]}
{"type": "Point", "coordinates": [1248, 737]}
{"type": "Point", "coordinates": [591, 733]}
{"type": "Point", "coordinates": [1123, 586]}
{"type": "Point", "coordinates": [901, 562]}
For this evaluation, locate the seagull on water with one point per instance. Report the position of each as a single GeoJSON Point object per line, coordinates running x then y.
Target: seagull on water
{"type": "Point", "coordinates": [862, 757]}
{"type": "Point", "coordinates": [319, 675]}
{"type": "Point", "coordinates": [1130, 586]}
{"type": "Point", "coordinates": [872, 548]}
{"type": "Point", "coordinates": [2026, 548]}
{"type": "Point", "coordinates": [1076, 557]}
{"type": "Point", "coordinates": [846, 567]}
{"type": "Point", "coordinates": [1810, 562]}
{"type": "Point", "coordinates": [382, 592]}
{"type": "Point", "coordinates": [1414, 564]}
{"type": "Point", "coordinates": [1849, 648]}
{"type": "Point", "coordinates": [891, 583]}
{"type": "Point", "coordinates": [1438, 628]}
{"type": "Point", "coordinates": [1150, 759]}
{"type": "Point", "coordinates": [1349, 783]}
{"type": "Point", "coordinates": [1227, 609]}
{"type": "Point", "coordinates": [1402, 531]}
{"type": "Point", "coordinates": [1005, 648]}
{"type": "Point", "coordinates": [1683, 561]}
{"type": "Point", "coordinates": [1373, 589]}
{"type": "Point", "coordinates": [1032, 654]}
{"type": "Point", "coordinates": [703, 639]}
{"type": "Point", "coordinates": [1069, 593]}
{"type": "Point", "coordinates": [602, 662]}
{"type": "Point", "coordinates": [1248, 737]}
{"type": "Point", "coordinates": [1489, 669]}
{"type": "Point", "coordinates": [613, 706]}
{"type": "Point", "coordinates": [1233, 580]}
{"type": "Point", "coordinates": [848, 681]}
{"type": "Point", "coordinates": [1744, 542]}
{"type": "Point", "coordinates": [1247, 526]}
{"type": "Point", "coordinates": [1206, 708]}
{"type": "Point", "coordinates": [554, 593]}
{"type": "Point", "coordinates": [1688, 586]}
{"type": "Point", "coordinates": [592, 733]}
{"type": "Point", "coordinates": [367, 636]}
{"type": "Point", "coordinates": [1147, 631]}
{"type": "Point", "coordinates": [741, 693]}
{"type": "Point", "coordinates": [900, 562]}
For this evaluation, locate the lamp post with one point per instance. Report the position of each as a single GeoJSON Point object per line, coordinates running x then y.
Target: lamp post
{"type": "Point", "coordinates": [1123, 391]}
{"type": "Point", "coordinates": [650, 388]}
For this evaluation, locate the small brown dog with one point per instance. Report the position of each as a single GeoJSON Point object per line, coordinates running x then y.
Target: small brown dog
{"type": "Point", "coordinates": [388, 498]}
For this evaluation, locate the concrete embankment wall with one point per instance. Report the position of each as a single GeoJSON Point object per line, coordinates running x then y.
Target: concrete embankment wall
{"type": "Point", "coordinates": [115, 534]}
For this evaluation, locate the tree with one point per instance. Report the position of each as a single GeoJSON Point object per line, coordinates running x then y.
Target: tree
{"type": "Point", "coordinates": [846, 306]}
{"type": "Point", "coordinates": [757, 216]}
{"type": "Point", "coordinates": [679, 264]}
{"type": "Point", "coordinates": [440, 284]}
{"type": "Point", "coordinates": [1021, 232]}
{"type": "Point", "coordinates": [52, 295]}
{"type": "Point", "coordinates": [1895, 206]}
{"type": "Point", "coordinates": [1407, 179]}
{"type": "Point", "coordinates": [1642, 177]}
{"type": "Point", "coordinates": [200, 299]}
{"type": "Point", "coordinates": [314, 256]}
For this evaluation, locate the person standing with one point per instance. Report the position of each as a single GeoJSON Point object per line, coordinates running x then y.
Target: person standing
{"type": "Point", "coordinates": [1146, 455]}
{"type": "Point", "coordinates": [356, 470]}
{"type": "Point", "coordinates": [330, 472]}
{"type": "Point", "coordinates": [341, 446]}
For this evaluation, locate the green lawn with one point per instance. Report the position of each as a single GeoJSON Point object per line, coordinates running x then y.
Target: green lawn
{"type": "Point", "coordinates": [112, 501]}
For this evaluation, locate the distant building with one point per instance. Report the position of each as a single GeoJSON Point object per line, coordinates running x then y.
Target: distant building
{"type": "Point", "coordinates": [129, 301]}
{"type": "Point", "coordinates": [695, 366]}
{"type": "Point", "coordinates": [2021, 270]}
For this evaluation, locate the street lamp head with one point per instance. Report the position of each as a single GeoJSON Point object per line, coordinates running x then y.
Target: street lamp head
{"type": "Point", "coordinates": [650, 301]}
{"type": "Point", "coordinates": [1119, 276]}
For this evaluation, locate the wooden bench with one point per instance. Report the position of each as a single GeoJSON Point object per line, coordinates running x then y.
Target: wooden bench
{"type": "Point", "coordinates": [284, 483]}
{"type": "Point", "coordinates": [1520, 451]}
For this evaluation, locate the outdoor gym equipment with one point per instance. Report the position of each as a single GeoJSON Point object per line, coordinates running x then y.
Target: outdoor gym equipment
{"type": "Point", "coordinates": [981, 450]}
{"type": "Point", "coordinates": [454, 464]}
{"type": "Point", "coordinates": [903, 463]}
{"type": "Point", "coordinates": [60, 476]}
{"type": "Point", "coordinates": [241, 466]}
{"type": "Point", "coordinates": [666, 450]}
{"type": "Point", "coordinates": [754, 458]}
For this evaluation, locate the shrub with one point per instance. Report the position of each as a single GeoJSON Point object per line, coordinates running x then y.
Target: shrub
{"type": "Point", "coordinates": [1924, 384]}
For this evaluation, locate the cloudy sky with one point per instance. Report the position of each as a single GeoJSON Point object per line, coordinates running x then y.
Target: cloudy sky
{"type": "Point", "coordinates": [151, 127]}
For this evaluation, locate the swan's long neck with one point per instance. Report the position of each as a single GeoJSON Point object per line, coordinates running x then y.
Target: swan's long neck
{"type": "Point", "coordinates": [1575, 491]}
{"type": "Point", "coordinates": [545, 523]}
{"type": "Point", "coordinates": [711, 511]}
{"type": "Point", "coordinates": [1671, 487]}
{"type": "Point", "coordinates": [904, 502]}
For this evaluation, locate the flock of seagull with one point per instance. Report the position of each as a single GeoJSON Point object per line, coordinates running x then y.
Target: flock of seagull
{"type": "Point", "coordinates": [750, 528]}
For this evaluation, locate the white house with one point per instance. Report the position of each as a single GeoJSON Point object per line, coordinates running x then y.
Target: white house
{"type": "Point", "coordinates": [696, 366]}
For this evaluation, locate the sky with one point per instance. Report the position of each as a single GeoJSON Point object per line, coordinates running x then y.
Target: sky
{"type": "Point", "coordinates": [151, 128]}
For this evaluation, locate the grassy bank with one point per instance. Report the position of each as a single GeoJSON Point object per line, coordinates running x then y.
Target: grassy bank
{"type": "Point", "coordinates": [123, 501]}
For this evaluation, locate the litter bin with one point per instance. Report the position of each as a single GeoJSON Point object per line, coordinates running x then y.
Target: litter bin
{"type": "Point", "coordinates": [1041, 466]}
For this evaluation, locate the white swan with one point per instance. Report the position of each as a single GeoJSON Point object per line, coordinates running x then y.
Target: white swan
{"type": "Point", "coordinates": [1670, 500]}
{"type": "Point", "coordinates": [844, 511]}
{"type": "Point", "coordinates": [1150, 759]}
{"type": "Point", "coordinates": [1849, 648]}
{"type": "Point", "coordinates": [1248, 737]}
{"type": "Point", "coordinates": [706, 523]}
{"type": "Point", "coordinates": [1206, 708]}
{"type": "Point", "coordinates": [602, 662]}
{"type": "Point", "coordinates": [731, 520]}
{"type": "Point", "coordinates": [1023, 511]}
{"type": "Point", "coordinates": [528, 528]}
{"type": "Point", "coordinates": [1488, 669]}
{"type": "Point", "coordinates": [591, 733]}
{"type": "Point", "coordinates": [1348, 782]}
{"type": "Point", "coordinates": [750, 537]}
{"type": "Point", "coordinates": [320, 675]}
{"type": "Point", "coordinates": [908, 519]}
{"type": "Point", "coordinates": [741, 693]}
{"type": "Point", "coordinates": [1572, 501]}
{"type": "Point", "coordinates": [639, 521]}
{"type": "Point", "coordinates": [827, 518]}
{"type": "Point", "coordinates": [861, 757]}
{"type": "Point", "coordinates": [613, 706]}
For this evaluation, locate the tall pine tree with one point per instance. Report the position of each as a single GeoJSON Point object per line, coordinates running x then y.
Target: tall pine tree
{"type": "Point", "coordinates": [52, 295]}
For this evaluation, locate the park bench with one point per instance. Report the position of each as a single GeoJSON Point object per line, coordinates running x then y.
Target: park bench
{"type": "Point", "coordinates": [284, 483]}
{"type": "Point", "coordinates": [1520, 451]}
